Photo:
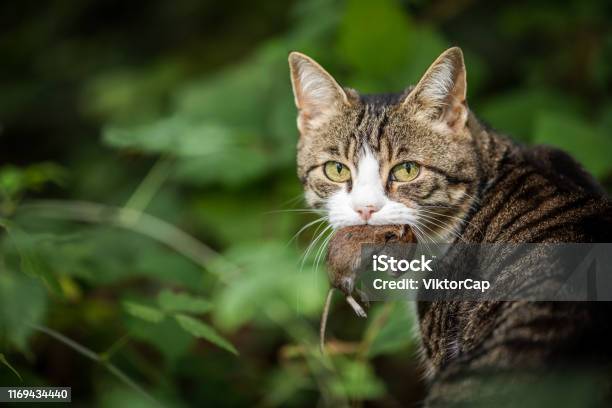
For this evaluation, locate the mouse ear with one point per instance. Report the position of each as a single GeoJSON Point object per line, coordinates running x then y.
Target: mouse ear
{"type": "Point", "coordinates": [318, 96]}
{"type": "Point", "coordinates": [440, 95]}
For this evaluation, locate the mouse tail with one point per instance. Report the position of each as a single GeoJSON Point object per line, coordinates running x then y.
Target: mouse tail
{"type": "Point", "coordinates": [324, 316]}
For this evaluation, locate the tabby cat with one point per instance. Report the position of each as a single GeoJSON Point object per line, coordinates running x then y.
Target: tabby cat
{"type": "Point", "coordinates": [422, 158]}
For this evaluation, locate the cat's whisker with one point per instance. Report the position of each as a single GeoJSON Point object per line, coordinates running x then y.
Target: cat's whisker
{"type": "Point", "coordinates": [321, 251]}
{"type": "Point", "coordinates": [298, 210]}
{"type": "Point", "coordinates": [321, 248]}
{"type": "Point", "coordinates": [317, 236]}
{"type": "Point", "coordinates": [427, 209]}
{"type": "Point", "coordinates": [293, 200]}
{"type": "Point", "coordinates": [312, 245]}
{"type": "Point", "coordinates": [463, 220]}
{"type": "Point", "coordinates": [305, 227]}
{"type": "Point", "coordinates": [476, 199]}
{"type": "Point", "coordinates": [421, 236]}
{"type": "Point", "coordinates": [444, 227]}
{"type": "Point", "coordinates": [443, 223]}
{"type": "Point", "coordinates": [437, 206]}
{"type": "Point", "coordinates": [426, 235]}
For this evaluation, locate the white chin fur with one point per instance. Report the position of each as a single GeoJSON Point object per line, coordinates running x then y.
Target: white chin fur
{"type": "Point", "coordinates": [341, 213]}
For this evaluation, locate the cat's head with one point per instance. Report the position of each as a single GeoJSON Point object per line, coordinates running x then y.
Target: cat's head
{"type": "Point", "coordinates": [387, 159]}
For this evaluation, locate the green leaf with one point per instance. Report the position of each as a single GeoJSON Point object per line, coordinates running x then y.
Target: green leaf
{"type": "Point", "coordinates": [228, 143]}
{"type": "Point", "coordinates": [4, 361]}
{"type": "Point", "coordinates": [11, 181]}
{"type": "Point", "coordinates": [201, 330]}
{"type": "Point", "coordinates": [129, 95]}
{"type": "Point", "coordinates": [357, 380]}
{"type": "Point", "coordinates": [176, 135]}
{"type": "Point", "coordinates": [171, 302]}
{"type": "Point", "coordinates": [23, 301]}
{"type": "Point", "coordinates": [517, 111]}
{"type": "Point", "coordinates": [17, 180]}
{"type": "Point", "coordinates": [234, 167]}
{"type": "Point", "coordinates": [39, 174]}
{"type": "Point", "coordinates": [167, 337]}
{"type": "Point", "coordinates": [285, 385]}
{"type": "Point", "coordinates": [231, 222]}
{"type": "Point", "coordinates": [585, 142]}
{"type": "Point", "coordinates": [273, 283]}
{"type": "Point", "coordinates": [81, 251]}
{"type": "Point", "coordinates": [396, 332]}
{"type": "Point", "coordinates": [148, 313]}
{"type": "Point", "coordinates": [31, 262]}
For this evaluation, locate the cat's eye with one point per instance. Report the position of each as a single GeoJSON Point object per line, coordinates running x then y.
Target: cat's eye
{"type": "Point", "coordinates": [337, 172]}
{"type": "Point", "coordinates": [406, 171]}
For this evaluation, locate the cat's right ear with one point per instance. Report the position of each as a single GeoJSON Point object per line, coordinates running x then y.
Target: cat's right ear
{"type": "Point", "coordinates": [318, 96]}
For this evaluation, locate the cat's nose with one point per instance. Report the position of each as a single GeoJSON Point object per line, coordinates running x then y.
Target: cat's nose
{"type": "Point", "coordinates": [366, 212]}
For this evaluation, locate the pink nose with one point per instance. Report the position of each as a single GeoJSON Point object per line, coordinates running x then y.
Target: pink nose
{"type": "Point", "coordinates": [366, 212]}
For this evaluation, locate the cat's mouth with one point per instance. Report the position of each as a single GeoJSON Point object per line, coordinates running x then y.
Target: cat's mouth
{"type": "Point", "coordinates": [427, 227]}
{"type": "Point", "coordinates": [386, 216]}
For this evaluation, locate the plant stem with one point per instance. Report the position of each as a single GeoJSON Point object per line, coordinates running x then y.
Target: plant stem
{"type": "Point", "coordinates": [110, 367]}
{"type": "Point", "coordinates": [147, 225]}
{"type": "Point", "coordinates": [148, 187]}
{"type": "Point", "coordinates": [115, 347]}
{"type": "Point", "coordinates": [373, 330]}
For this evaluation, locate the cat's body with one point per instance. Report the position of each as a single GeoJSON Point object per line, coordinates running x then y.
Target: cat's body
{"type": "Point", "coordinates": [422, 158]}
{"type": "Point", "coordinates": [532, 195]}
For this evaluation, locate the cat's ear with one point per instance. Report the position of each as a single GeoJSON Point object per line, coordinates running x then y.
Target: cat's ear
{"type": "Point", "coordinates": [318, 96]}
{"type": "Point", "coordinates": [441, 92]}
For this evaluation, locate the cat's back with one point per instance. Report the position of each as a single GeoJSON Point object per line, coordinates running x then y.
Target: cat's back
{"type": "Point", "coordinates": [541, 194]}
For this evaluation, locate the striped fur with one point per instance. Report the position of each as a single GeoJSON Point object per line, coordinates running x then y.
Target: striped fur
{"type": "Point", "coordinates": [475, 186]}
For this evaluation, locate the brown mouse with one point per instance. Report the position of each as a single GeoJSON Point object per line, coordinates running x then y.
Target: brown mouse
{"type": "Point", "coordinates": [343, 258]}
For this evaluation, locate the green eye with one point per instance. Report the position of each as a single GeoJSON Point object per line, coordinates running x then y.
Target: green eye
{"type": "Point", "coordinates": [337, 172]}
{"type": "Point", "coordinates": [406, 171]}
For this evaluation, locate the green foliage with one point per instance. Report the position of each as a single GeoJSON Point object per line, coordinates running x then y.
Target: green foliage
{"type": "Point", "coordinates": [8, 365]}
{"type": "Point", "coordinates": [30, 261]}
{"type": "Point", "coordinates": [285, 386]}
{"type": "Point", "coordinates": [388, 330]}
{"type": "Point", "coordinates": [209, 101]}
{"type": "Point", "coordinates": [357, 380]}
{"type": "Point", "coordinates": [586, 143]}
{"type": "Point", "coordinates": [201, 330]}
{"type": "Point", "coordinates": [149, 314]}
{"type": "Point", "coordinates": [170, 305]}
{"type": "Point", "coordinates": [23, 302]}
{"type": "Point", "coordinates": [182, 302]}
{"type": "Point", "coordinates": [517, 113]}
{"type": "Point", "coordinates": [166, 337]}
{"type": "Point", "coordinates": [16, 181]}
{"type": "Point", "coordinates": [384, 22]}
{"type": "Point", "coordinates": [284, 291]}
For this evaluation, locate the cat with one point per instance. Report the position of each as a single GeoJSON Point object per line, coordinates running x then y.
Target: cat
{"type": "Point", "coordinates": [422, 158]}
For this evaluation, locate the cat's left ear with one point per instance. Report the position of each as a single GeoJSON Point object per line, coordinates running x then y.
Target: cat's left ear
{"type": "Point", "coordinates": [441, 92]}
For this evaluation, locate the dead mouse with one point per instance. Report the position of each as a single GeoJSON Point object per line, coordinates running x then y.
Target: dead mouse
{"type": "Point", "coordinates": [343, 257]}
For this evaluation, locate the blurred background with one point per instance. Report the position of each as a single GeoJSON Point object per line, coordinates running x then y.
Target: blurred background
{"type": "Point", "coordinates": [149, 208]}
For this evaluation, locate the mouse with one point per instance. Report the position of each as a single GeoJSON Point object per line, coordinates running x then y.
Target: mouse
{"type": "Point", "coordinates": [343, 259]}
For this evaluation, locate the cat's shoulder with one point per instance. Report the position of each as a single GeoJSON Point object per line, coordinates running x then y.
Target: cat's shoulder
{"type": "Point", "coordinates": [561, 169]}
{"type": "Point", "coordinates": [541, 194]}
